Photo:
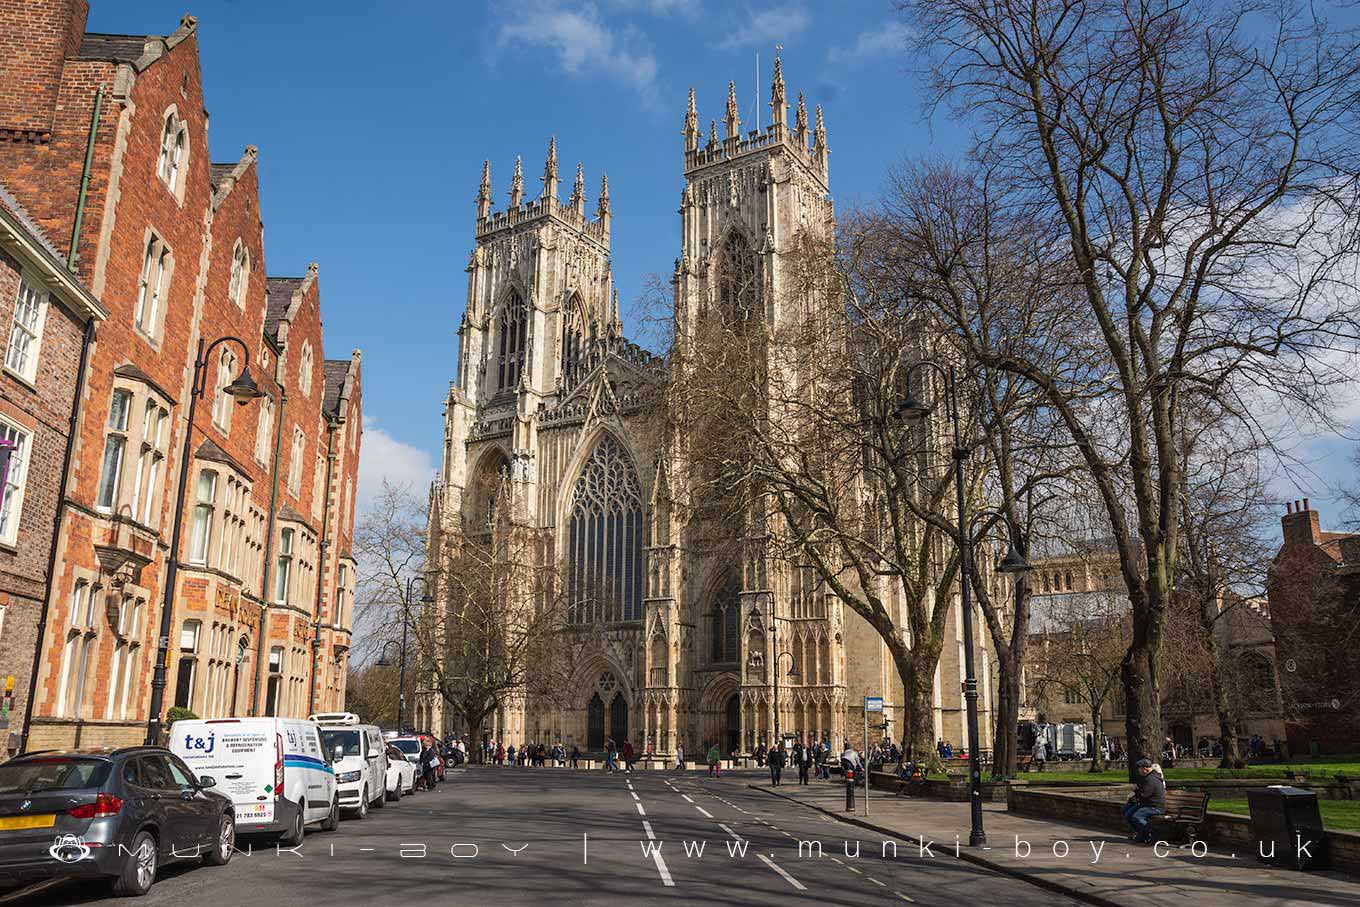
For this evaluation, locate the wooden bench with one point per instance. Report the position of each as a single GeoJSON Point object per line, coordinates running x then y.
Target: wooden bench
{"type": "Point", "coordinates": [1184, 811]}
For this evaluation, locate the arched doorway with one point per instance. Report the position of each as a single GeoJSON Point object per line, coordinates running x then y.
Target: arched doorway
{"type": "Point", "coordinates": [733, 724]}
{"type": "Point", "coordinates": [595, 723]}
{"type": "Point", "coordinates": [618, 719]}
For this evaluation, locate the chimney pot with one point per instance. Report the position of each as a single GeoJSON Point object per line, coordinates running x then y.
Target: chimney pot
{"type": "Point", "coordinates": [1305, 503]}
{"type": "Point", "coordinates": [1288, 507]}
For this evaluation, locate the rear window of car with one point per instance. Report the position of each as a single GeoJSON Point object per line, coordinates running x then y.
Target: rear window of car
{"type": "Point", "coordinates": [409, 747]}
{"type": "Point", "coordinates": [31, 776]}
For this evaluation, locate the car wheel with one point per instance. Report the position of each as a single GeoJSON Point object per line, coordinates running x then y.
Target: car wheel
{"type": "Point", "coordinates": [396, 792]}
{"type": "Point", "coordinates": [381, 801]}
{"type": "Point", "coordinates": [332, 820]}
{"type": "Point", "coordinates": [294, 835]}
{"type": "Point", "coordinates": [363, 804]}
{"type": "Point", "coordinates": [220, 853]}
{"type": "Point", "coordinates": [139, 870]}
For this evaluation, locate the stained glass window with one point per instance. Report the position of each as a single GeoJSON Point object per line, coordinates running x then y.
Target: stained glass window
{"type": "Point", "coordinates": [738, 279]}
{"type": "Point", "coordinates": [513, 326]}
{"type": "Point", "coordinates": [604, 538]}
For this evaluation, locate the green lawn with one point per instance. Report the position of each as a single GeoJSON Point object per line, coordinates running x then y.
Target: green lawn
{"type": "Point", "coordinates": [1322, 770]}
{"type": "Point", "coordinates": [1339, 815]}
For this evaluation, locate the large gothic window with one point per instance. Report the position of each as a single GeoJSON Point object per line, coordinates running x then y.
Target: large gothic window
{"type": "Point", "coordinates": [573, 339]}
{"type": "Point", "coordinates": [513, 328]}
{"type": "Point", "coordinates": [604, 538]}
{"type": "Point", "coordinates": [724, 621]}
{"type": "Point", "coordinates": [738, 279]}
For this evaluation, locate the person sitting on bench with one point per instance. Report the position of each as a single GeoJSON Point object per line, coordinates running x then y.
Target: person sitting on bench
{"type": "Point", "coordinates": [1147, 800]}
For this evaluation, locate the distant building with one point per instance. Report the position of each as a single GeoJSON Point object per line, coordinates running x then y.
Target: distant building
{"type": "Point", "coordinates": [1314, 593]}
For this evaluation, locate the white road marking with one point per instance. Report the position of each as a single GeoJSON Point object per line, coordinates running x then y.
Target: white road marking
{"type": "Point", "coordinates": [837, 860]}
{"type": "Point", "coordinates": [707, 814]}
{"type": "Point", "coordinates": [876, 881]}
{"type": "Point", "coordinates": [779, 869]}
{"type": "Point", "coordinates": [647, 827]}
{"type": "Point", "coordinates": [905, 898]}
{"type": "Point", "coordinates": [854, 870]}
{"type": "Point", "coordinates": [687, 798]}
{"type": "Point", "coordinates": [729, 831]}
{"type": "Point", "coordinates": [641, 811]}
{"type": "Point", "coordinates": [634, 795]}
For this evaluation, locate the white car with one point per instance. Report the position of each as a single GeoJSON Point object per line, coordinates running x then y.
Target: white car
{"type": "Point", "coordinates": [401, 774]}
{"type": "Point", "coordinates": [360, 759]}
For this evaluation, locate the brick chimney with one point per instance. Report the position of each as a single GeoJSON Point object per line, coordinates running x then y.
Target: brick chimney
{"type": "Point", "coordinates": [36, 37]}
{"type": "Point", "coordinates": [1300, 525]}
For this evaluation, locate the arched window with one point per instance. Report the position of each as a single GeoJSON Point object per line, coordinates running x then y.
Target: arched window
{"type": "Point", "coordinates": [514, 324]}
{"type": "Point", "coordinates": [240, 273]}
{"type": "Point", "coordinates": [573, 338]}
{"type": "Point", "coordinates": [486, 489]}
{"type": "Point", "coordinates": [738, 279]}
{"type": "Point", "coordinates": [174, 144]}
{"type": "Point", "coordinates": [604, 538]}
{"type": "Point", "coordinates": [305, 370]}
{"type": "Point", "coordinates": [724, 621]}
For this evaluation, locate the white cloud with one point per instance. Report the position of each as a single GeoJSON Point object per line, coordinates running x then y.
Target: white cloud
{"type": "Point", "coordinates": [764, 27]}
{"type": "Point", "coordinates": [583, 42]}
{"type": "Point", "coordinates": [887, 39]}
{"type": "Point", "coordinates": [384, 457]}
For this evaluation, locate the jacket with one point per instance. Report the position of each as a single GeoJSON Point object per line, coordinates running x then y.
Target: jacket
{"type": "Point", "coordinates": [1150, 790]}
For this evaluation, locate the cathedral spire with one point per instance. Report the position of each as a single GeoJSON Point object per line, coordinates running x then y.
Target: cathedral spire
{"type": "Point", "coordinates": [778, 101]}
{"type": "Point", "coordinates": [602, 208]}
{"type": "Point", "coordinates": [578, 191]}
{"type": "Point", "coordinates": [800, 123]}
{"type": "Point", "coordinates": [550, 170]}
{"type": "Point", "coordinates": [615, 323]}
{"type": "Point", "coordinates": [484, 194]}
{"type": "Point", "coordinates": [819, 150]}
{"type": "Point", "coordinates": [733, 119]}
{"type": "Point", "coordinates": [517, 184]}
{"type": "Point", "coordinates": [692, 124]}
{"type": "Point", "coordinates": [712, 134]}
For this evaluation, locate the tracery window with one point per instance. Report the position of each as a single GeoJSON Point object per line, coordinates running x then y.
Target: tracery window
{"type": "Point", "coordinates": [604, 540]}
{"type": "Point", "coordinates": [514, 323]}
{"type": "Point", "coordinates": [724, 621]}
{"type": "Point", "coordinates": [573, 338]}
{"type": "Point", "coordinates": [738, 279]}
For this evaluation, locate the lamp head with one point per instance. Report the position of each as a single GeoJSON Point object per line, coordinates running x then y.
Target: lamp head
{"type": "Point", "coordinates": [244, 388]}
{"type": "Point", "coordinates": [912, 408]}
{"type": "Point", "coordinates": [1013, 562]}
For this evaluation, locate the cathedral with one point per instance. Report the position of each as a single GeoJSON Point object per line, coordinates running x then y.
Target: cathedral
{"type": "Point", "coordinates": [549, 410]}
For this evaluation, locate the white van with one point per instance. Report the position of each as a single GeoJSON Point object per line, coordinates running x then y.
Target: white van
{"type": "Point", "coordinates": [274, 770]}
{"type": "Point", "coordinates": [359, 757]}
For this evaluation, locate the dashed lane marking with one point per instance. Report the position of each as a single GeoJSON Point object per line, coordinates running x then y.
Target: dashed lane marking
{"type": "Point", "coordinates": [687, 797]}
{"type": "Point", "coordinates": [779, 869]}
{"type": "Point", "coordinates": [641, 811]}
{"type": "Point", "coordinates": [707, 814]}
{"type": "Point", "coordinates": [904, 897]}
{"type": "Point", "coordinates": [876, 881]}
{"type": "Point", "coordinates": [729, 831]}
{"type": "Point", "coordinates": [634, 795]}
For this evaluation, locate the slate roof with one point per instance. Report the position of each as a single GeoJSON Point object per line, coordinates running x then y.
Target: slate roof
{"type": "Point", "coordinates": [11, 204]}
{"type": "Point", "coordinates": [220, 172]}
{"type": "Point", "coordinates": [118, 48]}
{"type": "Point", "coordinates": [280, 294]}
{"type": "Point", "coordinates": [336, 370]}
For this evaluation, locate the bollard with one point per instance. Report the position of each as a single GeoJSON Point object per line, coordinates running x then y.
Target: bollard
{"type": "Point", "coordinates": [849, 791]}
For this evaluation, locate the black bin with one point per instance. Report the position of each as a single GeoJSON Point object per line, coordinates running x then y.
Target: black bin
{"type": "Point", "coordinates": [1286, 827]}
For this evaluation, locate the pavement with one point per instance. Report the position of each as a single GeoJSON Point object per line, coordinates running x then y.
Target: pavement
{"type": "Point", "coordinates": [1074, 861]}
{"type": "Point", "coordinates": [511, 836]}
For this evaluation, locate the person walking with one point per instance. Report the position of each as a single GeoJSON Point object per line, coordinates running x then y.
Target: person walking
{"type": "Point", "coordinates": [850, 767]}
{"type": "Point", "coordinates": [1040, 752]}
{"type": "Point", "coordinates": [776, 760]}
{"type": "Point", "coordinates": [802, 757]}
{"type": "Point", "coordinates": [760, 755]}
{"type": "Point", "coordinates": [714, 761]}
{"type": "Point", "coordinates": [679, 757]}
{"type": "Point", "coordinates": [575, 756]}
{"type": "Point", "coordinates": [611, 756]}
{"type": "Point", "coordinates": [628, 756]}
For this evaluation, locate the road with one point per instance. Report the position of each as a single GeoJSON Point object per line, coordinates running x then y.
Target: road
{"type": "Point", "coordinates": [509, 836]}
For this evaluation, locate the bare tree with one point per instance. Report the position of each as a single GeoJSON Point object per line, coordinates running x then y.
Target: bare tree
{"type": "Point", "coordinates": [1197, 175]}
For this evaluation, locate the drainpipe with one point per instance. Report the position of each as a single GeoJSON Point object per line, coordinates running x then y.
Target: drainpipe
{"type": "Point", "coordinates": [331, 425]}
{"type": "Point", "coordinates": [73, 431]}
{"type": "Point", "coordinates": [72, 425]}
{"type": "Point", "coordinates": [269, 541]}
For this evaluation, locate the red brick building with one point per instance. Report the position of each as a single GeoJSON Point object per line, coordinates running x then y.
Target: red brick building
{"type": "Point", "coordinates": [172, 244]}
{"type": "Point", "coordinates": [49, 320]}
{"type": "Point", "coordinates": [1314, 592]}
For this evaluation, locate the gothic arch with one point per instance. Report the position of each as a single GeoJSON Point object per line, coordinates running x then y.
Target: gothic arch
{"type": "Point", "coordinates": [575, 337]}
{"type": "Point", "coordinates": [511, 318]}
{"type": "Point", "coordinates": [738, 277]}
{"type": "Point", "coordinates": [484, 485]}
{"type": "Point", "coordinates": [602, 520]}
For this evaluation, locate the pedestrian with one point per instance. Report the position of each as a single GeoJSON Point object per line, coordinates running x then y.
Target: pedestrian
{"type": "Point", "coordinates": [760, 755]}
{"type": "Point", "coordinates": [679, 757]}
{"type": "Point", "coordinates": [429, 764]}
{"type": "Point", "coordinates": [714, 762]}
{"type": "Point", "coordinates": [628, 756]}
{"type": "Point", "coordinates": [575, 756]}
{"type": "Point", "coordinates": [611, 756]}
{"type": "Point", "coordinates": [1147, 800]}
{"type": "Point", "coordinates": [802, 757]}
{"type": "Point", "coordinates": [500, 753]}
{"type": "Point", "coordinates": [776, 760]}
{"type": "Point", "coordinates": [1040, 752]}
{"type": "Point", "coordinates": [850, 767]}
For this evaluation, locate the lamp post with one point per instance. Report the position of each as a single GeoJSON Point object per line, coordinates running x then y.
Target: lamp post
{"type": "Point", "coordinates": [1013, 562]}
{"type": "Point", "coordinates": [243, 389]}
{"type": "Point", "coordinates": [383, 660]}
{"type": "Point", "coordinates": [758, 623]}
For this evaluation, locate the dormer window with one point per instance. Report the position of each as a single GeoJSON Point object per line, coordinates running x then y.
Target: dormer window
{"type": "Point", "coordinates": [174, 151]}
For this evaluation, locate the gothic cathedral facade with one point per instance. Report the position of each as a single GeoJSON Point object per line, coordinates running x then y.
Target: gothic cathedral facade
{"type": "Point", "coordinates": [549, 410]}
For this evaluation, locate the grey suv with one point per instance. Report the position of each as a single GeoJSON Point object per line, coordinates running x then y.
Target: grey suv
{"type": "Point", "coordinates": [119, 814]}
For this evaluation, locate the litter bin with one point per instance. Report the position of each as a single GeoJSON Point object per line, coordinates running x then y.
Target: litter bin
{"type": "Point", "coordinates": [1286, 827]}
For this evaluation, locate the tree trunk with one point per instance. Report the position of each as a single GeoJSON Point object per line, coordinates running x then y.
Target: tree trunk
{"type": "Point", "coordinates": [1097, 754]}
{"type": "Point", "coordinates": [1227, 727]}
{"type": "Point", "coordinates": [1142, 710]}
{"type": "Point", "coordinates": [1004, 742]}
{"type": "Point", "coordinates": [918, 688]}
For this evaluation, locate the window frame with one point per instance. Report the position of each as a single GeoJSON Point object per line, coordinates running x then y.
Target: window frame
{"type": "Point", "coordinates": [149, 308]}
{"type": "Point", "coordinates": [16, 480]}
{"type": "Point", "coordinates": [38, 301]}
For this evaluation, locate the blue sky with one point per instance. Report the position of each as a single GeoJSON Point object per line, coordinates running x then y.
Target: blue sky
{"type": "Point", "coordinates": [372, 128]}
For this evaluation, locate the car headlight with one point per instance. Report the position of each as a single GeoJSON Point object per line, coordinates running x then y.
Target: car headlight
{"type": "Point", "coordinates": [346, 777]}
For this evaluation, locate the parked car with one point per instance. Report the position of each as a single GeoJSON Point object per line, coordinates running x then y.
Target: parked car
{"type": "Point", "coordinates": [359, 758]}
{"type": "Point", "coordinates": [119, 814]}
{"type": "Point", "coordinates": [274, 770]}
{"type": "Point", "coordinates": [401, 774]}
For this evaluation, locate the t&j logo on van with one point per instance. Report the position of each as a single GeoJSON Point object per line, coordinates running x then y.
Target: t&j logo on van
{"type": "Point", "coordinates": [199, 743]}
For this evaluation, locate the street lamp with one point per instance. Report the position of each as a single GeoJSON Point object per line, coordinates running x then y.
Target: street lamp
{"type": "Point", "coordinates": [243, 390]}
{"type": "Point", "coordinates": [383, 660]}
{"type": "Point", "coordinates": [758, 623]}
{"type": "Point", "coordinates": [911, 408]}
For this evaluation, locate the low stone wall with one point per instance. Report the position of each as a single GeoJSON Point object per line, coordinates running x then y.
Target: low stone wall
{"type": "Point", "coordinates": [953, 789]}
{"type": "Point", "coordinates": [1099, 808]}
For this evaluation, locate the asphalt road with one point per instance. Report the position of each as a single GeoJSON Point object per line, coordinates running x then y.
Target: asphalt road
{"type": "Point", "coordinates": [509, 836]}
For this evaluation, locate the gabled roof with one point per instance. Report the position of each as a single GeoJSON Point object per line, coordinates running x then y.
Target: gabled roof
{"type": "Point", "coordinates": [11, 204]}
{"type": "Point", "coordinates": [118, 48]}
{"type": "Point", "coordinates": [336, 370]}
{"type": "Point", "coordinates": [220, 172]}
{"type": "Point", "coordinates": [280, 292]}
{"type": "Point", "coordinates": [17, 227]}
{"type": "Point", "coordinates": [209, 450]}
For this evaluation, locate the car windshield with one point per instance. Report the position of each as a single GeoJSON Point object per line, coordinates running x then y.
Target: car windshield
{"type": "Point", "coordinates": [31, 776]}
{"type": "Point", "coordinates": [350, 740]}
{"type": "Point", "coordinates": [409, 747]}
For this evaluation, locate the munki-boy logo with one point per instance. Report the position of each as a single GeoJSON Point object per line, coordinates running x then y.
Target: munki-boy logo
{"type": "Point", "coordinates": [69, 849]}
{"type": "Point", "coordinates": [199, 743]}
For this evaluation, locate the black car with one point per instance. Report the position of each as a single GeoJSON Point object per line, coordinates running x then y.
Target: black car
{"type": "Point", "coordinates": [118, 814]}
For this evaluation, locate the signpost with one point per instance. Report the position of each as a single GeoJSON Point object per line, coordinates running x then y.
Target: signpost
{"type": "Point", "coordinates": [871, 704]}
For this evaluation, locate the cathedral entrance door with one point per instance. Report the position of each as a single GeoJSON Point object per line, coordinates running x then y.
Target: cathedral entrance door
{"type": "Point", "coordinates": [618, 719]}
{"type": "Point", "coordinates": [595, 724]}
{"type": "Point", "coordinates": [733, 724]}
